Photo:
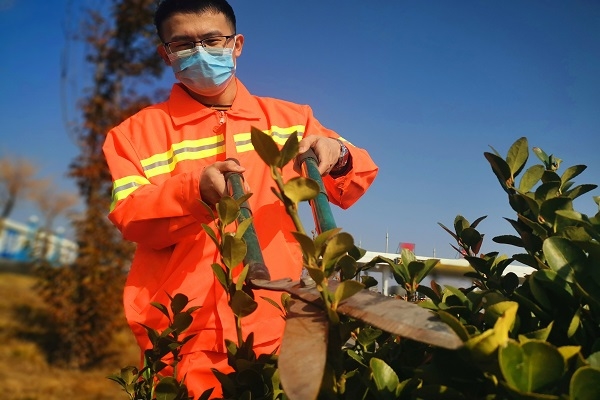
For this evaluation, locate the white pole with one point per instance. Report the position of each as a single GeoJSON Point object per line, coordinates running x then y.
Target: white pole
{"type": "Point", "coordinates": [386, 241]}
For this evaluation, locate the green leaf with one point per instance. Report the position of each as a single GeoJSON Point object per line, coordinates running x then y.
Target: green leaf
{"type": "Point", "coordinates": [337, 246]}
{"type": "Point", "coordinates": [572, 172]}
{"type": "Point", "coordinates": [494, 312]}
{"type": "Point", "coordinates": [506, 321]}
{"type": "Point", "coordinates": [460, 295]}
{"type": "Point", "coordinates": [289, 150]}
{"type": "Point", "coordinates": [526, 259]}
{"type": "Point", "coordinates": [547, 190]}
{"type": "Point", "coordinates": [509, 239]}
{"type": "Point", "coordinates": [564, 257]}
{"type": "Point", "coordinates": [471, 237]}
{"type": "Point", "coordinates": [181, 322]}
{"type": "Point", "coordinates": [455, 324]}
{"type": "Point", "coordinates": [272, 302]}
{"type": "Point", "coordinates": [418, 270]}
{"type": "Point", "coordinates": [322, 239]}
{"type": "Point", "coordinates": [234, 251]}
{"type": "Point", "coordinates": [368, 281]}
{"type": "Point", "coordinates": [460, 223]}
{"type": "Point", "coordinates": [265, 146]}
{"type": "Point", "coordinates": [211, 234]}
{"type": "Point", "coordinates": [580, 190]}
{"type": "Point", "coordinates": [306, 244]}
{"type": "Point", "coordinates": [368, 335]}
{"type": "Point", "coordinates": [316, 274]}
{"type": "Point", "coordinates": [594, 360]}
{"type": "Point", "coordinates": [300, 189]}
{"type": "Point", "coordinates": [517, 156]}
{"type": "Point", "coordinates": [584, 384]}
{"type": "Point", "coordinates": [167, 389]}
{"type": "Point", "coordinates": [384, 376]}
{"type": "Point", "coordinates": [241, 278]}
{"type": "Point", "coordinates": [560, 289]}
{"type": "Point", "coordinates": [574, 325]}
{"type": "Point", "coordinates": [500, 169]}
{"type": "Point", "coordinates": [345, 290]}
{"type": "Point", "coordinates": [227, 210]}
{"type": "Point", "coordinates": [179, 302]}
{"type": "Point", "coordinates": [242, 304]}
{"type": "Point", "coordinates": [426, 291]}
{"type": "Point", "coordinates": [482, 346]}
{"type": "Point", "coordinates": [348, 267]}
{"type": "Point", "coordinates": [242, 199]}
{"type": "Point", "coordinates": [549, 208]}
{"type": "Point", "coordinates": [220, 275]}
{"type": "Point", "coordinates": [477, 221]}
{"type": "Point", "coordinates": [550, 176]}
{"type": "Point", "coordinates": [532, 366]}
{"type": "Point", "coordinates": [407, 257]}
{"type": "Point", "coordinates": [243, 227]}
{"type": "Point", "coordinates": [163, 309]}
{"type": "Point", "coordinates": [448, 230]}
{"type": "Point", "coordinates": [540, 334]}
{"type": "Point", "coordinates": [531, 177]}
{"type": "Point", "coordinates": [541, 154]}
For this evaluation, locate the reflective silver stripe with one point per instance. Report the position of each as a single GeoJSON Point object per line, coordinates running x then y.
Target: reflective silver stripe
{"type": "Point", "coordinates": [166, 162]}
{"type": "Point", "coordinates": [243, 141]}
{"type": "Point", "coordinates": [125, 186]}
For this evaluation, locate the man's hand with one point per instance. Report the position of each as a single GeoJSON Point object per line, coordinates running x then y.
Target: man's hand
{"type": "Point", "coordinates": [326, 149]}
{"type": "Point", "coordinates": [212, 180]}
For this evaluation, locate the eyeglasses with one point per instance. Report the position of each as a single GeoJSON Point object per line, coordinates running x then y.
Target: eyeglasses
{"type": "Point", "coordinates": [213, 42]}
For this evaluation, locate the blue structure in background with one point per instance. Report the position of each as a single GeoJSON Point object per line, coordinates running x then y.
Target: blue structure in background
{"type": "Point", "coordinates": [24, 242]}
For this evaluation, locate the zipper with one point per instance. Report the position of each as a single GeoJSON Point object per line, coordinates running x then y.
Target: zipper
{"type": "Point", "coordinates": [221, 118]}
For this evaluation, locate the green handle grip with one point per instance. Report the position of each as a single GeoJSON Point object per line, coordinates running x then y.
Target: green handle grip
{"type": "Point", "coordinates": [254, 259]}
{"type": "Point", "coordinates": [320, 206]}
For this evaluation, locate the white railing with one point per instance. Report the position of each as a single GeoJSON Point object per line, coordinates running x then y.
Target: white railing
{"type": "Point", "coordinates": [448, 271]}
{"type": "Point", "coordinates": [25, 242]}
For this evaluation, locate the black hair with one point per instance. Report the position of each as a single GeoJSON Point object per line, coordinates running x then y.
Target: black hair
{"type": "Point", "coordinates": [166, 8]}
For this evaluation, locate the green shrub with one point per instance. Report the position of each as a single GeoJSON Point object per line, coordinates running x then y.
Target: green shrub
{"type": "Point", "coordinates": [535, 339]}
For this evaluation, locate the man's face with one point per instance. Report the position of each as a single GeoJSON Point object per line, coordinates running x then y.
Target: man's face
{"type": "Point", "coordinates": [195, 27]}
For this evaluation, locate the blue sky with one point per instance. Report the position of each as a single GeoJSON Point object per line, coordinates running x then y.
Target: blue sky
{"type": "Point", "coordinates": [425, 86]}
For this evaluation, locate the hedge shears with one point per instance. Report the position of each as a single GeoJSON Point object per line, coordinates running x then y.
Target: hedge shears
{"type": "Point", "coordinates": [304, 341]}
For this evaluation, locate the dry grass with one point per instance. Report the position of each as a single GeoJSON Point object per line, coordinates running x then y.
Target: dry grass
{"type": "Point", "coordinates": [25, 374]}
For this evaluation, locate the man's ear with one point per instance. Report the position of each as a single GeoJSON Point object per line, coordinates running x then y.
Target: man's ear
{"type": "Point", "coordinates": [160, 49]}
{"type": "Point", "coordinates": [239, 44]}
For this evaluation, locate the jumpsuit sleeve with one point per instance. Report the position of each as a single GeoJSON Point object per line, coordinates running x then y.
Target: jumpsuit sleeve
{"type": "Point", "coordinates": [345, 190]}
{"type": "Point", "coordinates": [150, 214]}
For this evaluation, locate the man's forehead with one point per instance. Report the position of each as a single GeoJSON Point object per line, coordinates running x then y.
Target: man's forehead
{"type": "Point", "coordinates": [197, 23]}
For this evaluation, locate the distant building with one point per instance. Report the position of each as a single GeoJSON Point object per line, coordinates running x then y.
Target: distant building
{"type": "Point", "coordinates": [447, 272]}
{"type": "Point", "coordinates": [25, 242]}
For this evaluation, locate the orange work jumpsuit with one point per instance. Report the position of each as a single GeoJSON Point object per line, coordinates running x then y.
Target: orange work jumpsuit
{"type": "Point", "coordinates": [156, 158]}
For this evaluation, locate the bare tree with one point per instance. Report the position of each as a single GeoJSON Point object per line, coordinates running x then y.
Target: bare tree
{"type": "Point", "coordinates": [17, 180]}
{"type": "Point", "coordinates": [51, 204]}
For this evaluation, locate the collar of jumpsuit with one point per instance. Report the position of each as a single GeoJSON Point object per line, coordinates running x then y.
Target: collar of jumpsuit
{"type": "Point", "coordinates": [184, 109]}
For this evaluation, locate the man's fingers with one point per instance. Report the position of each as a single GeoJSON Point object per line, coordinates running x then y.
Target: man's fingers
{"type": "Point", "coordinates": [306, 143]}
{"type": "Point", "coordinates": [228, 166]}
{"type": "Point", "coordinates": [212, 180]}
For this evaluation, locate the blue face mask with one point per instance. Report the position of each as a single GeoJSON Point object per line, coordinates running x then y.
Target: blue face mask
{"type": "Point", "coordinates": [205, 72]}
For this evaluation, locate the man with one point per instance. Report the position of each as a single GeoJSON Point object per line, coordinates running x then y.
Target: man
{"type": "Point", "coordinates": [167, 157]}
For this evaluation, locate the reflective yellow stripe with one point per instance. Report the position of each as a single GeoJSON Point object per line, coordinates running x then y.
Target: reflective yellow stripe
{"type": "Point", "coordinates": [164, 163]}
{"type": "Point", "coordinates": [279, 135]}
{"type": "Point", "coordinates": [125, 186]}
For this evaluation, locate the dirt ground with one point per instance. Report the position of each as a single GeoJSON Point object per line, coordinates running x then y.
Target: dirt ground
{"type": "Point", "coordinates": [25, 374]}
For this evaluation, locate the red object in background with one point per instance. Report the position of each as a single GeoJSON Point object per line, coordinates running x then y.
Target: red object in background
{"type": "Point", "coordinates": [408, 246]}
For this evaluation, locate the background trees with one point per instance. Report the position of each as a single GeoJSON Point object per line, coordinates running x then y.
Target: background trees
{"type": "Point", "coordinates": [85, 298]}
{"type": "Point", "coordinates": [17, 180]}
